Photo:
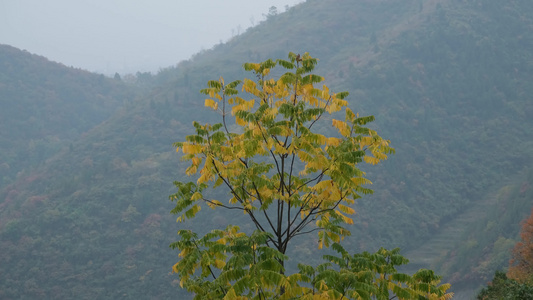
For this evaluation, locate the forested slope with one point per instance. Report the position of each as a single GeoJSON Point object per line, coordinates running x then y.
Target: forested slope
{"type": "Point", "coordinates": [46, 105]}
{"type": "Point", "coordinates": [448, 83]}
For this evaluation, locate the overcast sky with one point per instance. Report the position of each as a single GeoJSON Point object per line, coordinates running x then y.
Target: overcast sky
{"type": "Point", "coordinates": [126, 36]}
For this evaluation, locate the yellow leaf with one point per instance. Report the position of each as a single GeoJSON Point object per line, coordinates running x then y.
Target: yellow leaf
{"type": "Point", "coordinates": [326, 184]}
{"type": "Point", "coordinates": [265, 192]}
{"type": "Point", "coordinates": [203, 178]}
{"type": "Point", "coordinates": [196, 161]}
{"type": "Point", "coordinates": [345, 209]}
{"type": "Point", "coordinates": [333, 141]}
{"type": "Point", "coordinates": [361, 181]}
{"type": "Point", "coordinates": [240, 121]}
{"type": "Point", "coordinates": [320, 236]}
{"type": "Point", "coordinates": [231, 295]}
{"type": "Point", "coordinates": [304, 156]}
{"type": "Point", "coordinates": [342, 127]}
{"type": "Point", "coordinates": [365, 141]}
{"type": "Point", "coordinates": [321, 139]}
{"type": "Point", "coordinates": [379, 155]}
{"type": "Point", "coordinates": [184, 252]}
{"type": "Point", "coordinates": [371, 160]}
{"type": "Point", "coordinates": [279, 149]}
{"type": "Point", "coordinates": [191, 170]}
{"type": "Point", "coordinates": [219, 263]}
{"type": "Point", "coordinates": [350, 116]}
{"type": "Point", "coordinates": [213, 204]}
{"type": "Point", "coordinates": [236, 108]}
{"type": "Point", "coordinates": [268, 89]}
{"type": "Point", "coordinates": [333, 236]}
{"type": "Point", "coordinates": [250, 104]}
{"type": "Point", "coordinates": [325, 92]}
{"type": "Point", "coordinates": [249, 86]}
{"type": "Point", "coordinates": [344, 218]}
{"type": "Point", "coordinates": [255, 66]}
{"type": "Point", "coordinates": [191, 149]}
{"type": "Point", "coordinates": [211, 103]}
{"type": "Point", "coordinates": [175, 268]}
{"type": "Point", "coordinates": [196, 196]}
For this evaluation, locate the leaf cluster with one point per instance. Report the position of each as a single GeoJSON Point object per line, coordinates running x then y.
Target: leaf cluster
{"type": "Point", "coordinates": [244, 267]}
{"type": "Point", "coordinates": [279, 171]}
{"type": "Point", "coordinates": [371, 276]}
{"type": "Point", "coordinates": [240, 265]}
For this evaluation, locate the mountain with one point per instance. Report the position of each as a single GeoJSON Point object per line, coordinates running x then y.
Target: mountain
{"type": "Point", "coordinates": [46, 105]}
{"type": "Point", "coordinates": [448, 83]}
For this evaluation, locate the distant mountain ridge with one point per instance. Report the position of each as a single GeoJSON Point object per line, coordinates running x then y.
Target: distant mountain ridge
{"type": "Point", "coordinates": [448, 83]}
{"type": "Point", "coordinates": [46, 105]}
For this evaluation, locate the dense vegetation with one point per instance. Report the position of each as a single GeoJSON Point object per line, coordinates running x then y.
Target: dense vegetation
{"type": "Point", "coordinates": [46, 106]}
{"type": "Point", "coordinates": [517, 284]}
{"type": "Point", "coordinates": [84, 209]}
{"type": "Point", "coordinates": [503, 288]}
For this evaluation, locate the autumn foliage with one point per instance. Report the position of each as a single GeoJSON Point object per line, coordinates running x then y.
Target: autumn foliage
{"type": "Point", "coordinates": [521, 263]}
{"type": "Point", "coordinates": [279, 169]}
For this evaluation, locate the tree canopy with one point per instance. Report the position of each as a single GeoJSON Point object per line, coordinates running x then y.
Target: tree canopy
{"type": "Point", "coordinates": [517, 283]}
{"type": "Point", "coordinates": [290, 180]}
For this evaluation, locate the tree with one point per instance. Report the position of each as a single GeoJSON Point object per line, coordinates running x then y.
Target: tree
{"type": "Point", "coordinates": [504, 288]}
{"type": "Point", "coordinates": [272, 12]}
{"type": "Point", "coordinates": [518, 282]}
{"type": "Point", "coordinates": [521, 263]}
{"type": "Point", "coordinates": [290, 180]}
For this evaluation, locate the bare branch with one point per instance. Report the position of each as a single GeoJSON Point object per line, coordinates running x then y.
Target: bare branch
{"type": "Point", "coordinates": [222, 205]}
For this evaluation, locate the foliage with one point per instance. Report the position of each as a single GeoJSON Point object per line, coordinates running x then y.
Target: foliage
{"type": "Point", "coordinates": [278, 129]}
{"type": "Point", "coordinates": [517, 283]}
{"type": "Point", "coordinates": [284, 176]}
{"type": "Point", "coordinates": [503, 288]}
{"type": "Point", "coordinates": [491, 233]}
{"type": "Point", "coordinates": [245, 266]}
{"type": "Point", "coordinates": [371, 275]}
{"type": "Point", "coordinates": [521, 264]}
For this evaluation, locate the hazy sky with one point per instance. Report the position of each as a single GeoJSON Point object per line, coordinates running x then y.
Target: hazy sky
{"type": "Point", "coordinates": [124, 36]}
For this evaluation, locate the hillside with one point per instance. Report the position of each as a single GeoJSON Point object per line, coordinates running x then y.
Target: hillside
{"type": "Point", "coordinates": [448, 83]}
{"type": "Point", "coordinates": [46, 106]}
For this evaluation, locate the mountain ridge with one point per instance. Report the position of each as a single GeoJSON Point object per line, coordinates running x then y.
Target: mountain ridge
{"type": "Point", "coordinates": [46, 105]}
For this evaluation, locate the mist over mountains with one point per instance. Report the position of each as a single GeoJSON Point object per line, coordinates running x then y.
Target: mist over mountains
{"type": "Point", "coordinates": [87, 162]}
